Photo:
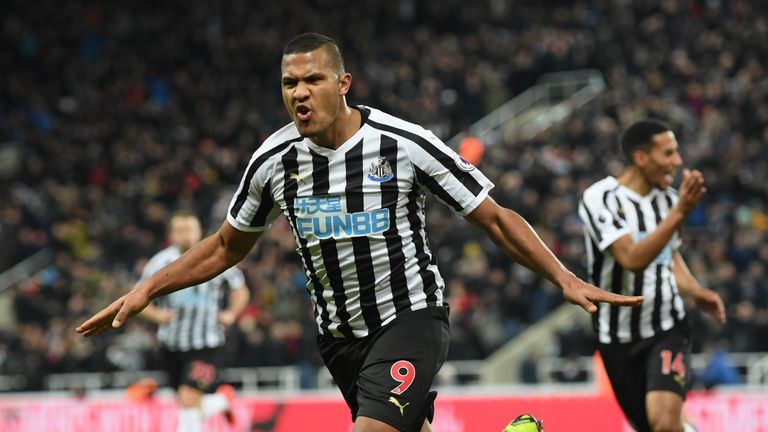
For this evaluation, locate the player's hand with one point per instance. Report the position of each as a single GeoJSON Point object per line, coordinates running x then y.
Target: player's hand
{"type": "Point", "coordinates": [578, 292]}
{"type": "Point", "coordinates": [710, 302]}
{"type": "Point", "coordinates": [165, 316]}
{"type": "Point", "coordinates": [691, 191]}
{"type": "Point", "coordinates": [114, 315]}
{"type": "Point", "coordinates": [227, 318]}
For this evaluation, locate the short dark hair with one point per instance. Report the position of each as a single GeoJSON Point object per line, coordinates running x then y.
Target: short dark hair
{"type": "Point", "coordinates": [307, 42]}
{"type": "Point", "coordinates": [640, 135]}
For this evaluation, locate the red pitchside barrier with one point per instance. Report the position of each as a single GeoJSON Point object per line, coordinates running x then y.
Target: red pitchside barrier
{"type": "Point", "coordinates": [725, 412]}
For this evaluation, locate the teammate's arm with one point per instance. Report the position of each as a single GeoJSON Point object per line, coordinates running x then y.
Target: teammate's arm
{"type": "Point", "coordinates": [205, 260]}
{"type": "Point", "coordinates": [706, 299]}
{"type": "Point", "coordinates": [516, 237]}
{"type": "Point", "coordinates": [636, 256]}
{"type": "Point", "coordinates": [238, 300]}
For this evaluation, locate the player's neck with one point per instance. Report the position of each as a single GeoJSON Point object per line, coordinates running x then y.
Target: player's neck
{"type": "Point", "coordinates": [635, 181]}
{"type": "Point", "coordinates": [347, 123]}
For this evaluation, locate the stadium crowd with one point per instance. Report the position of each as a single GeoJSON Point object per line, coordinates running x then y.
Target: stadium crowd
{"type": "Point", "coordinates": [112, 118]}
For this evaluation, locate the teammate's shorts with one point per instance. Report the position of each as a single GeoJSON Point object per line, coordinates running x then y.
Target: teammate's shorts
{"type": "Point", "coordinates": [195, 368]}
{"type": "Point", "coordinates": [658, 363]}
{"type": "Point", "coordinates": [387, 375]}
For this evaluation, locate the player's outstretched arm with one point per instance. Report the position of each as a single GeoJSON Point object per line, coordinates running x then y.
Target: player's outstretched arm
{"type": "Point", "coordinates": [207, 259]}
{"type": "Point", "coordinates": [513, 234]}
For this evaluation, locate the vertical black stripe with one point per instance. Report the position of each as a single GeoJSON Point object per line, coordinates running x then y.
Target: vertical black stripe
{"type": "Point", "coordinates": [678, 314]}
{"type": "Point", "coordinates": [617, 278]}
{"type": "Point", "coordinates": [596, 277]}
{"type": "Point", "coordinates": [353, 161]}
{"type": "Point", "coordinates": [591, 221]}
{"type": "Point", "coordinates": [656, 211]}
{"type": "Point", "coordinates": [291, 187]}
{"type": "Point", "coordinates": [640, 216]}
{"type": "Point", "coordinates": [639, 279]}
{"type": "Point", "coordinates": [389, 195]}
{"type": "Point", "coordinates": [181, 315]}
{"type": "Point", "coordinates": [656, 313]}
{"type": "Point", "coordinates": [328, 249]}
{"type": "Point", "coordinates": [616, 223]}
{"type": "Point", "coordinates": [420, 241]}
{"type": "Point", "coordinates": [266, 204]}
{"type": "Point", "coordinates": [619, 209]}
{"type": "Point", "coordinates": [242, 193]}
{"type": "Point", "coordinates": [668, 198]}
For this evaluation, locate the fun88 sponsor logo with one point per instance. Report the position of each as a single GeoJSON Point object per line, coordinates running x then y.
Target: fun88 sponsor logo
{"type": "Point", "coordinates": [325, 217]}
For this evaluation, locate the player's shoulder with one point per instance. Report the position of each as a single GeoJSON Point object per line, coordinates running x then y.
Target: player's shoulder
{"type": "Point", "coordinates": [600, 187]}
{"type": "Point", "coordinates": [171, 252]}
{"type": "Point", "coordinates": [164, 257]}
{"type": "Point", "coordinates": [279, 140]}
{"type": "Point", "coordinates": [234, 272]}
{"type": "Point", "coordinates": [379, 119]}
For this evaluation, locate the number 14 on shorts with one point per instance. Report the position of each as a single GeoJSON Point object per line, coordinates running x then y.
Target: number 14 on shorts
{"type": "Point", "coordinates": [669, 365]}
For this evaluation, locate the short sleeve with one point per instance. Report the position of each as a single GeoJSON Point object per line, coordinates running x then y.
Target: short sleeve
{"type": "Point", "coordinates": [451, 178]}
{"type": "Point", "coordinates": [153, 266]}
{"type": "Point", "coordinates": [234, 277]}
{"type": "Point", "coordinates": [601, 222]}
{"type": "Point", "coordinates": [253, 208]}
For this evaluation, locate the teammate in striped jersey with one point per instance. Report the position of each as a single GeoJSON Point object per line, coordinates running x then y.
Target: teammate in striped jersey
{"type": "Point", "coordinates": [352, 182]}
{"type": "Point", "coordinates": [191, 326]}
{"type": "Point", "coordinates": [631, 225]}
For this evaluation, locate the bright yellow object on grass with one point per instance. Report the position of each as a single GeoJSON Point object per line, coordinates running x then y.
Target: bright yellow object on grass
{"type": "Point", "coordinates": [524, 423]}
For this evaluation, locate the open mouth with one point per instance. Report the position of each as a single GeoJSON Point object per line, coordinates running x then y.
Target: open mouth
{"type": "Point", "coordinates": [303, 113]}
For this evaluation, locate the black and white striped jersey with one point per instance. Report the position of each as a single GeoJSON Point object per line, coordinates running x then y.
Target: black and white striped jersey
{"type": "Point", "coordinates": [357, 215]}
{"type": "Point", "coordinates": [197, 308]}
{"type": "Point", "coordinates": [610, 211]}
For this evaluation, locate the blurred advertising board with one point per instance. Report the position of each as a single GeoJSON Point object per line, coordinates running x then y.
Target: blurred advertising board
{"type": "Point", "coordinates": [715, 412]}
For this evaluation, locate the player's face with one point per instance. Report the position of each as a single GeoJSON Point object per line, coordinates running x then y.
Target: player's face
{"type": "Point", "coordinates": [662, 160]}
{"type": "Point", "coordinates": [313, 90]}
{"type": "Point", "coordinates": [185, 232]}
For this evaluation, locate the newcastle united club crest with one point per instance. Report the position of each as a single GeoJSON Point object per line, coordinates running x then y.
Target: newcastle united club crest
{"type": "Point", "coordinates": [380, 170]}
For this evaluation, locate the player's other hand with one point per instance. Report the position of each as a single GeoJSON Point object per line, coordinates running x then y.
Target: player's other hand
{"type": "Point", "coordinates": [710, 302]}
{"type": "Point", "coordinates": [227, 318]}
{"type": "Point", "coordinates": [691, 191]}
{"type": "Point", "coordinates": [165, 316]}
{"type": "Point", "coordinates": [578, 292]}
{"type": "Point", "coordinates": [114, 315]}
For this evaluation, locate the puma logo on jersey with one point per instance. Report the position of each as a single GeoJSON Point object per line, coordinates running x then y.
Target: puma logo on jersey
{"type": "Point", "coordinates": [296, 176]}
{"type": "Point", "coordinates": [397, 404]}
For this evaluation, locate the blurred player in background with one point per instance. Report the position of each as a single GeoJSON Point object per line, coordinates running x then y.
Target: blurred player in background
{"type": "Point", "coordinates": [631, 225]}
{"type": "Point", "coordinates": [191, 328]}
{"type": "Point", "coordinates": [352, 181]}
